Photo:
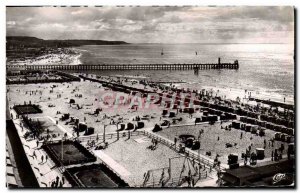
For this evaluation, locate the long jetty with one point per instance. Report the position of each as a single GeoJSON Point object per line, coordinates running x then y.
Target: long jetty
{"type": "Point", "coordinates": [86, 67]}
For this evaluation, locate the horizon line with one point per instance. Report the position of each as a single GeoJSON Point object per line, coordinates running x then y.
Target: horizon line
{"type": "Point", "coordinates": [157, 42]}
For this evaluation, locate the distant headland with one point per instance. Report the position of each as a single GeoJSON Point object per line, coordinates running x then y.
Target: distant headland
{"type": "Point", "coordinates": [29, 50]}
{"type": "Point", "coordinates": [27, 41]}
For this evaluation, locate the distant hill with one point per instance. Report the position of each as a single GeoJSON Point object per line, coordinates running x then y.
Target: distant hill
{"type": "Point", "coordinates": [33, 42]}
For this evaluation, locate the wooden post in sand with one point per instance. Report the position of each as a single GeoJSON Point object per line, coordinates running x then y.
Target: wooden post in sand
{"type": "Point", "coordinates": [117, 131]}
{"type": "Point", "coordinates": [104, 134]}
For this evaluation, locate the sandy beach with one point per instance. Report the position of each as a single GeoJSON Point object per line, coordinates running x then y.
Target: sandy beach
{"type": "Point", "coordinates": [54, 99]}
{"type": "Point", "coordinates": [69, 57]}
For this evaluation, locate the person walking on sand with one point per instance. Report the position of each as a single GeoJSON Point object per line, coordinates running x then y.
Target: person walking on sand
{"type": "Point", "coordinates": [34, 155]}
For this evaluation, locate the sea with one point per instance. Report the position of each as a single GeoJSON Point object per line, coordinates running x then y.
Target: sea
{"type": "Point", "coordinates": [265, 70]}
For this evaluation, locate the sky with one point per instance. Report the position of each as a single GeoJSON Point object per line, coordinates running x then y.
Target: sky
{"type": "Point", "coordinates": [241, 24]}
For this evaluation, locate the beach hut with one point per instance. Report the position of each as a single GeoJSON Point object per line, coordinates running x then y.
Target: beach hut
{"type": "Point", "coordinates": [288, 138]}
{"type": "Point", "coordinates": [76, 120]}
{"type": "Point", "coordinates": [140, 124]}
{"type": "Point", "coordinates": [213, 118]}
{"type": "Point", "coordinates": [196, 102]}
{"type": "Point", "coordinates": [254, 129]}
{"type": "Point", "coordinates": [158, 101]}
{"type": "Point", "coordinates": [290, 131]}
{"type": "Point", "coordinates": [262, 132]}
{"type": "Point", "coordinates": [291, 148]}
{"type": "Point", "coordinates": [283, 129]}
{"type": "Point", "coordinates": [243, 126]}
{"type": "Point", "coordinates": [232, 116]}
{"type": "Point", "coordinates": [82, 126]}
{"type": "Point", "coordinates": [211, 111]}
{"type": "Point", "coordinates": [263, 123]}
{"type": "Point", "coordinates": [175, 106]}
{"type": "Point", "coordinates": [277, 128]}
{"type": "Point", "coordinates": [97, 111]}
{"type": "Point", "coordinates": [219, 113]}
{"type": "Point", "coordinates": [291, 124]}
{"type": "Point", "coordinates": [222, 117]}
{"type": "Point", "coordinates": [204, 118]}
{"type": "Point", "coordinates": [252, 121]}
{"type": "Point", "coordinates": [189, 142]}
{"type": "Point", "coordinates": [272, 126]}
{"type": "Point", "coordinates": [156, 128]}
{"type": "Point", "coordinates": [196, 145]}
{"type": "Point", "coordinates": [268, 125]}
{"type": "Point", "coordinates": [168, 104]}
{"type": "Point", "coordinates": [233, 161]}
{"type": "Point", "coordinates": [235, 124]}
{"type": "Point", "coordinates": [172, 114]}
{"type": "Point", "coordinates": [89, 131]}
{"type": "Point", "coordinates": [260, 152]}
{"type": "Point", "coordinates": [283, 137]}
{"type": "Point", "coordinates": [122, 127]}
{"type": "Point", "coordinates": [233, 158]}
{"type": "Point", "coordinates": [277, 135]}
{"type": "Point", "coordinates": [191, 110]}
{"type": "Point", "coordinates": [248, 128]}
{"type": "Point", "coordinates": [187, 104]}
{"type": "Point", "coordinates": [165, 112]}
{"type": "Point", "coordinates": [165, 123]}
{"type": "Point", "coordinates": [65, 116]}
{"type": "Point", "coordinates": [203, 109]}
{"type": "Point", "coordinates": [197, 120]}
{"type": "Point", "coordinates": [130, 126]}
{"type": "Point", "coordinates": [243, 119]}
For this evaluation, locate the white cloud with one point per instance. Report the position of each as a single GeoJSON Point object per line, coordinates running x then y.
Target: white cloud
{"type": "Point", "coordinates": [11, 23]}
{"type": "Point", "coordinates": [154, 24]}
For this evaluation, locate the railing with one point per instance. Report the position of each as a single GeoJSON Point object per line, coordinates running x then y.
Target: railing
{"type": "Point", "coordinates": [171, 182]}
{"type": "Point", "coordinates": [197, 66]}
{"type": "Point", "coordinates": [188, 152]}
{"type": "Point", "coordinates": [111, 135]}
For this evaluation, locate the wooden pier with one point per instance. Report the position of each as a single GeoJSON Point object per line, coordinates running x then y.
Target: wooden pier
{"type": "Point", "coordinates": [86, 67]}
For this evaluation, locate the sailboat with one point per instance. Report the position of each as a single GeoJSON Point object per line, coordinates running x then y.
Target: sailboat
{"type": "Point", "coordinates": [162, 52]}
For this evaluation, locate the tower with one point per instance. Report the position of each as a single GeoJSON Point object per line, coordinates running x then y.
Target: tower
{"type": "Point", "coordinates": [219, 60]}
